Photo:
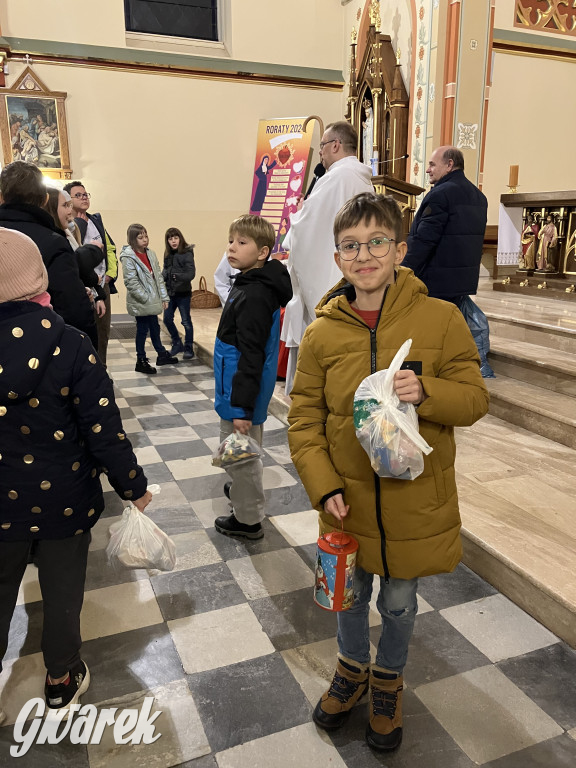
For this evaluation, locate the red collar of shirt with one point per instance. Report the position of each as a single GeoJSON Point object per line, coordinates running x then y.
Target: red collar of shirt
{"type": "Point", "coordinates": [144, 259]}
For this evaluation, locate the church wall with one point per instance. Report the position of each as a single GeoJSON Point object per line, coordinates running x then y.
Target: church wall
{"type": "Point", "coordinates": [168, 150]}
{"type": "Point", "coordinates": [301, 32]}
{"type": "Point", "coordinates": [529, 116]}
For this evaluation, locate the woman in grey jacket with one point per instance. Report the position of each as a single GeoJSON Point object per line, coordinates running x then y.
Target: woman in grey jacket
{"type": "Point", "coordinates": [146, 296]}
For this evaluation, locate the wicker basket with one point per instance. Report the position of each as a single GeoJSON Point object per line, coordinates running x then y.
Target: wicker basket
{"type": "Point", "coordinates": [203, 298]}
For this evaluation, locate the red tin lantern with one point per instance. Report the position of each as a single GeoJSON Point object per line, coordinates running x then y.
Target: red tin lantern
{"type": "Point", "coordinates": [335, 565]}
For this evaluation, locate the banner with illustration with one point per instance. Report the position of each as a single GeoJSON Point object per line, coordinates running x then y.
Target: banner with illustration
{"type": "Point", "coordinates": [282, 154]}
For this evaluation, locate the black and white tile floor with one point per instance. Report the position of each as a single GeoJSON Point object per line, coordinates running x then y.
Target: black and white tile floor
{"type": "Point", "coordinates": [235, 652]}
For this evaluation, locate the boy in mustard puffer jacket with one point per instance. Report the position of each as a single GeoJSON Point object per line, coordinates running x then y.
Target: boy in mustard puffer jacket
{"type": "Point", "coordinates": [405, 529]}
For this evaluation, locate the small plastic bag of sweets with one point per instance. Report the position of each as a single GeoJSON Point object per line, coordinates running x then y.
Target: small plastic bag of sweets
{"type": "Point", "coordinates": [387, 428]}
{"type": "Point", "coordinates": [137, 542]}
{"type": "Point", "coordinates": [236, 449]}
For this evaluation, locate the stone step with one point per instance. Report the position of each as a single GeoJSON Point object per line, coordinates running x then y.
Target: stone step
{"type": "Point", "coordinates": [540, 321]}
{"type": "Point", "coordinates": [546, 413]}
{"type": "Point", "coordinates": [534, 364]}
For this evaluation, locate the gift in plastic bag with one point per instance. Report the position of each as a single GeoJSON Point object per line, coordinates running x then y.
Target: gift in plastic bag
{"type": "Point", "coordinates": [236, 449]}
{"type": "Point", "coordinates": [137, 542]}
{"type": "Point", "coordinates": [387, 428]}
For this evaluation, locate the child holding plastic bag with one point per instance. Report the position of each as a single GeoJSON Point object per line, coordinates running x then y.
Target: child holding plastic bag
{"type": "Point", "coordinates": [59, 428]}
{"type": "Point", "coordinates": [405, 528]}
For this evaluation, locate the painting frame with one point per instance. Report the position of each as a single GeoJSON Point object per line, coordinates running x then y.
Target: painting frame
{"type": "Point", "coordinates": [33, 126]}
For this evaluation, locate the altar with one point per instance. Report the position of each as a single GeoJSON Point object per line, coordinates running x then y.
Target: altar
{"type": "Point", "coordinates": [537, 237]}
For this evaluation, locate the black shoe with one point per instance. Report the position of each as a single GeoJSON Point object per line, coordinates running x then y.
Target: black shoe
{"type": "Point", "coordinates": [176, 347]}
{"type": "Point", "coordinates": [188, 352]}
{"type": "Point", "coordinates": [227, 487]}
{"type": "Point", "coordinates": [143, 366]}
{"type": "Point", "coordinates": [229, 526]}
{"type": "Point", "coordinates": [166, 359]}
{"type": "Point", "coordinates": [63, 696]}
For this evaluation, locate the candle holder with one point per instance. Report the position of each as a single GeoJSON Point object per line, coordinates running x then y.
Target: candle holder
{"type": "Point", "coordinates": [512, 190]}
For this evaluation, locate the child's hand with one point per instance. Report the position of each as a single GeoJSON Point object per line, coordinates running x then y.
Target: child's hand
{"type": "Point", "coordinates": [335, 506]}
{"type": "Point", "coordinates": [408, 387]}
{"type": "Point", "coordinates": [242, 425]}
{"type": "Point", "coordinates": [165, 304]}
{"type": "Point", "coordinates": [143, 501]}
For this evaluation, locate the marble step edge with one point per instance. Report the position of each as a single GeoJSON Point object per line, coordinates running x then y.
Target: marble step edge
{"type": "Point", "coordinates": [552, 609]}
{"type": "Point", "coordinates": [558, 402]}
{"type": "Point", "coordinates": [533, 354]}
{"type": "Point", "coordinates": [559, 330]}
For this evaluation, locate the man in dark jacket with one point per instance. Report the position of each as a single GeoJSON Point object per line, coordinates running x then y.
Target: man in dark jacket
{"type": "Point", "coordinates": [23, 193]}
{"type": "Point", "coordinates": [92, 231]}
{"type": "Point", "coordinates": [447, 234]}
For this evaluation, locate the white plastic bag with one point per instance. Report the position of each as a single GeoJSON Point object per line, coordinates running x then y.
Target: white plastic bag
{"type": "Point", "coordinates": [236, 449]}
{"type": "Point", "coordinates": [137, 542]}
{"type": "Point", "coordinates": [387, 428]}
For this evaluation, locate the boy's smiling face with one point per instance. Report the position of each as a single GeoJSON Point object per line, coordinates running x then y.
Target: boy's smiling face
{"type": "Point", "coordinates": [369, 275]}
{"type": "Point", "coordinates": [244, 254]}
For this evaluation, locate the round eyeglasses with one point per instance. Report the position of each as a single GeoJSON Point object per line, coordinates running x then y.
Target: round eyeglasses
{"type": "Point", "coordinates": [377, 247]}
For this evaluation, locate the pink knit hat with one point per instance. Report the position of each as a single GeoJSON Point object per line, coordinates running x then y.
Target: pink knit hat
{"type": "Point", "coordinates": [22, 271]}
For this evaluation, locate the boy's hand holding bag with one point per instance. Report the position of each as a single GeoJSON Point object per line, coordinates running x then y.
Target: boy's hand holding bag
{"type": "Point", "coordinates": [137, 542]}
{"type": "Point", "coordinates": [387, 428]}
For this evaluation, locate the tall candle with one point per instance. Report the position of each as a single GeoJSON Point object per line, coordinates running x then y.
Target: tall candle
{"type": "Point", "coordinates": [513, 180]}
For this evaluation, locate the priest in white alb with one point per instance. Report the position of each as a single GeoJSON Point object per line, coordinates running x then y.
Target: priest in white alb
{"type": "Point", "coordinates": [310, 239]}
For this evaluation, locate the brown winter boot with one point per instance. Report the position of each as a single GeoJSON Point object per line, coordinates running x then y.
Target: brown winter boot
{"type": "Point", "coordinates": [384, 731]}
{"type": "Point", "coordinates": [349, 684]}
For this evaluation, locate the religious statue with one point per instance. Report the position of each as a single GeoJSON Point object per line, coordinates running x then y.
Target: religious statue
{"type": "Point", "coordinates": [367, 133]}
{"type": "Point", "coordinates": [528, 240]}
{"type": "Point", "coordinates": [548, 237]}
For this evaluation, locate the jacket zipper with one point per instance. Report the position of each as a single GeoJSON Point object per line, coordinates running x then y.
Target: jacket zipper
{"type": "Point", "coordinates": [373, 369]}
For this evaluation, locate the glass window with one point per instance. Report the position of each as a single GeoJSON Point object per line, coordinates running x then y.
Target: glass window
{"type": "Point", "coordinates": [197, 19]}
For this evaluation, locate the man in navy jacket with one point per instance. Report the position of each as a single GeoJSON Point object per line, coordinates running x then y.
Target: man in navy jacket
{"type": "Point", "coordinates": [447, 234]}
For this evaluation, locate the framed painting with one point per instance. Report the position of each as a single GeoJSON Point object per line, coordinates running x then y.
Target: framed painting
{"type": "Point", "coordinates": [33, 126]}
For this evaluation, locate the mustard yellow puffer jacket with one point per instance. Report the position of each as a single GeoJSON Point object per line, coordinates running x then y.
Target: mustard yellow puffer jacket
{"type": "Point", "coordinates": [405, 528]}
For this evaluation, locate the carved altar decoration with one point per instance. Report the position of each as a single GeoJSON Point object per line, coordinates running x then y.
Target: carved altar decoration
{"type": "Point", "coordinates": [547, 243]}
{"type": "Point", "coordinates": [33, 126]}
{"type": "Point", "coordinates": [378, 108]}
{"type": "Point", "coordinates": [558, 16]}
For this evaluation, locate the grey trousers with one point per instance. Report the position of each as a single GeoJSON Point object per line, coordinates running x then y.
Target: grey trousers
{"type": "Point", "coordinates": [247, 491]}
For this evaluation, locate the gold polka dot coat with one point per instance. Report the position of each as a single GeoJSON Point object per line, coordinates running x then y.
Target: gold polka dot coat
{"type": "Point", "coordinates": [59, 428]}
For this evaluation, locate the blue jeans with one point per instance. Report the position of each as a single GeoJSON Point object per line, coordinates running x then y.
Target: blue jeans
{"type": "Point", "coordinates": [182, 303]}
{"type": "Point", "coordinates": [145, 324]}
{"type": "Point", "coordinates": [397, 606]}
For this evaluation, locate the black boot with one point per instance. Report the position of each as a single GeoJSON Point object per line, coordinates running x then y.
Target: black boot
{"type": "Point", "coordinates": [143, 366]}
{"type": "Point", "coordinates": [166, 359]}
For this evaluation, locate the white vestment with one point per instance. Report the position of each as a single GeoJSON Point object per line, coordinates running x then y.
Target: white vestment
{"type": "Point", "coordinates": [310, 241]}
{"type": "Point", "coordinates": [224, 278]}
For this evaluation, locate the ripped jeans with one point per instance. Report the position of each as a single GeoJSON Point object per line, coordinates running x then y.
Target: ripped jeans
{"type": "Point", "coordinates": [397, 606]}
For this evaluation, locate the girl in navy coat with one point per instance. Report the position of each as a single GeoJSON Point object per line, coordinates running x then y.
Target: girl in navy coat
{"type": "Point", "coordinates": [59, 429]}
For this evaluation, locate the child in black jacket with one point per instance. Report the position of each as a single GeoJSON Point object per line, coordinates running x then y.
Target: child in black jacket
{"type": "Point", "coordinates": [178, 273]}
{"type": "Point", "coordinates": [59, 428]}
{"type": "Point", "coordinates": [246, 361]}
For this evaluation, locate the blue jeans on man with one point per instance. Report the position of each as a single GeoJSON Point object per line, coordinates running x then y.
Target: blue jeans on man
{"type": "Point", "coordinates": [182, 304]}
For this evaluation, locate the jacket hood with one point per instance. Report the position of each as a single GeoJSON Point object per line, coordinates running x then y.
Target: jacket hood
{"type": "Point", "coordinates": [399, 295]}
{"type": "Point", "coordinates": [29, 335]}
{"type": "Point", "coordinates": [24, 212]}
{"type": "Point", "coordinates": [274, 276]}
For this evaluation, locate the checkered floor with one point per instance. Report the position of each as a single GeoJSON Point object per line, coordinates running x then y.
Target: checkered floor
{"type": "Point", "coordinates": [234, 650]}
